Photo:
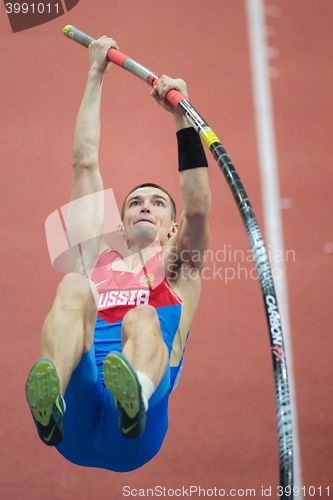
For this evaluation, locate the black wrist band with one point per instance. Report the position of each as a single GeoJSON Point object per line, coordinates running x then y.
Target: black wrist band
{"type": "Point", "coordinates": [191, 153]}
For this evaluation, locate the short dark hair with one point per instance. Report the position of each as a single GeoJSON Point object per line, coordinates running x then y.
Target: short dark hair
{"type": "Point", "coordinates": [150, 184]}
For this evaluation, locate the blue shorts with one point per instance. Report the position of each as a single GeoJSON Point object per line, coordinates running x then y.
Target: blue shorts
{"type": "Point", "coordinates": [92, 436]}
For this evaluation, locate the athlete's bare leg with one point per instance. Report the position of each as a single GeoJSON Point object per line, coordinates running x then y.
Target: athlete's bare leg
{"type": "Point", "coordinates": [143, 344]}
{"type": "Point", "coordinates": [68, 329]}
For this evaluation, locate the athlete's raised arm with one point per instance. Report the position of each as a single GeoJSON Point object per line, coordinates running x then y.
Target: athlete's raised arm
{"type": "Point", "coordinates": [86, 214]}
{"type": "Point", "coordinates": [191, 239]}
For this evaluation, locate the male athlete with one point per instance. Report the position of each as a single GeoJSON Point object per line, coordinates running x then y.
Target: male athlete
{"type": "Point", "coordinates": [113, 342]}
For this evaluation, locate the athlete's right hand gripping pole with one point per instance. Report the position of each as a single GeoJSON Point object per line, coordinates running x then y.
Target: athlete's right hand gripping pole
{"type": "Point", "coordinates": [282, 396]}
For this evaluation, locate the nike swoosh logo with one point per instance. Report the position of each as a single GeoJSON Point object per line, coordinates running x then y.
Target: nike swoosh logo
{"type": "Point", "coordinates": [126, 430]}
{"type": "Point", "coordinates": [48, 438]}
{"type": "Point", "coordinates": [97, 284]}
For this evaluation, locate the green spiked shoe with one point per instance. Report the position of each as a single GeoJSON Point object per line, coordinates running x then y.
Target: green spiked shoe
{"type": "Point", "coordinates": [121, 380]}
{"type": "Point", "coordinates": [42, 391]}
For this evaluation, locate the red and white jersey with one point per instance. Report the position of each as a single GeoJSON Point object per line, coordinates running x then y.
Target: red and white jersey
{"type": "Point", "coordinates": [121, 290]}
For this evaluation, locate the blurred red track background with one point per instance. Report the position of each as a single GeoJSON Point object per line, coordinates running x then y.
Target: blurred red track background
{"type": "Point", "coordinates": [222, 415]}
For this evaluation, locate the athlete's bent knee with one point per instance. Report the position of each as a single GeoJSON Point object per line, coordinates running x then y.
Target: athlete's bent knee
{"type": "Point", "coordinates": [74, 290]}
{"type": "Point", "coordinates": [139, 323]}
{"type": "Point", "coordinates": [140, 314]}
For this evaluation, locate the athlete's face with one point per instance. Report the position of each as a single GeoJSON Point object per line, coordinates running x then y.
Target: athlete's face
{"type": "Point", "coordinates": [147, 216]}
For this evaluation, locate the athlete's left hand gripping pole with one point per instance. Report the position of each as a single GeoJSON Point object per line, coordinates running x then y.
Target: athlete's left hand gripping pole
{"type": "Point", "coordinates": [173, 96]}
